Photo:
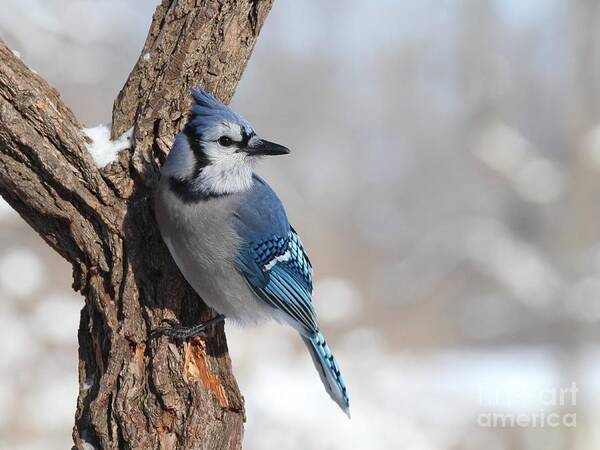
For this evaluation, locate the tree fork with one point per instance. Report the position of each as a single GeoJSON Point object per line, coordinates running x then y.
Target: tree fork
{"type": "Point", "coordinates": [133, 392]}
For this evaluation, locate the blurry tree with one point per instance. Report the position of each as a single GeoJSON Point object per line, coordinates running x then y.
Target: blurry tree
{"type": "Point", "coordinates": [133, 392]}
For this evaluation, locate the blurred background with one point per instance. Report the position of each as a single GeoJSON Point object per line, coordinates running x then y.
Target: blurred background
{"type": "Point", "coordinates": [445, 180]}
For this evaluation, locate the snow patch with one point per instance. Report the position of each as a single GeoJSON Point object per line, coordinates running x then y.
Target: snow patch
{"type": "Point", "coordinates": [103, 149]}
{"type": "Point", "coordinates": [18, 55]}
{"type": "Point", "coordinates": [89, 382]}
{"type": "Point", "coordinates": [87, 446]}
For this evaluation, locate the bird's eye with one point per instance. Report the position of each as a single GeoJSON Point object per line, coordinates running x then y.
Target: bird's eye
{"type": "Point", "coordinates": [225, 141]}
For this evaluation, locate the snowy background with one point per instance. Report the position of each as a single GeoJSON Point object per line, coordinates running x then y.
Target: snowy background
{"type": "Point", "coordinates": [445, 179]}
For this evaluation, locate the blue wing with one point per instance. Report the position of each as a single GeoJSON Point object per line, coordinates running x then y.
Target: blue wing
{"type": "Point", "coordinates": [289, 280]}
{"type": "Point", "coordinates": [273, 259]}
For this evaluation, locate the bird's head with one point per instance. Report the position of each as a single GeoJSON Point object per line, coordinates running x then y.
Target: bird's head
{"type": "Point", "coordinates": [215, 153]}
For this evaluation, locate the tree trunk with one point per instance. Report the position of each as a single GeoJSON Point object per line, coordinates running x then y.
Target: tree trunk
{"type": "Point", "coordinates": [134, 392]}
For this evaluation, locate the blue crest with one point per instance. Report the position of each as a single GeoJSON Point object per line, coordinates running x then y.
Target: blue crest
{"type": "Point", "coordinates": [208, 112]}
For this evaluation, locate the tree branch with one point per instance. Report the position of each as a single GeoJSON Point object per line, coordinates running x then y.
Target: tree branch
{"type": "Point", "coordinates": [46, 173]}
{"type": "Point", "coordinates": [133, 392]}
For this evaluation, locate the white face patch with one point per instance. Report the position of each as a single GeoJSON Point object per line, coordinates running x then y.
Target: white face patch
{"type": "Point", "coordinates": [228, 171]}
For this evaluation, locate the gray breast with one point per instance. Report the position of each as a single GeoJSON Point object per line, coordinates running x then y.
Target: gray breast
{"type": "Point", "coordinates": [203, 243]}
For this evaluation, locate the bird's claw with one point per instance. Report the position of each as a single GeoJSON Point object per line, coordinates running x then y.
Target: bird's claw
{"type": "Point", "coordinates": [180, 332]}
{"type": "Point", "coordinates": [171, 322]}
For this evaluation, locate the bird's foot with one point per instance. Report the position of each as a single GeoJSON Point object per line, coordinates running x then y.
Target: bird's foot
{"type": "Point", "coordinates": [177, 331]}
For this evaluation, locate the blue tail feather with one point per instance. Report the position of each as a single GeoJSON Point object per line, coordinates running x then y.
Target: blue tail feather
{"type": "Point", "coordinates": [328, 370]}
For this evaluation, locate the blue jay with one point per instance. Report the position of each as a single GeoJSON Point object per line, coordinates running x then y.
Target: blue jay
{"type": "Point", "coordinates": [229, 234]}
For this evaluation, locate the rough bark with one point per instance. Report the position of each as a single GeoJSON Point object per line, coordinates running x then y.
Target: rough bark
{"type": "Point", "coordinates": [134, 392]}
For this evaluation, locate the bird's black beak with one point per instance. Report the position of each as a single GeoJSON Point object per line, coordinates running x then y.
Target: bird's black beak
{"type": "Point", "coordinates": [262, 147]}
